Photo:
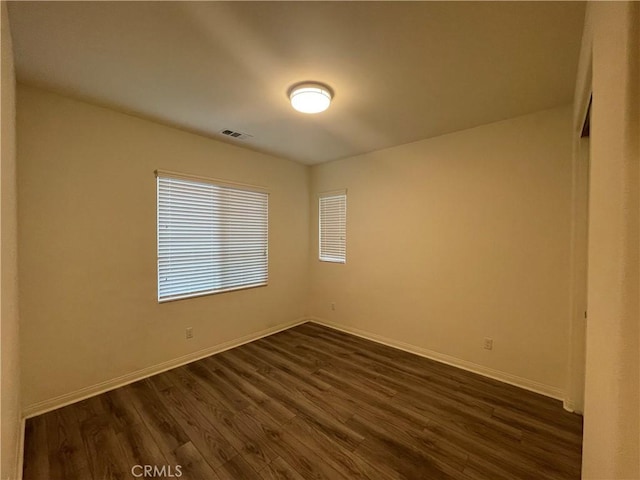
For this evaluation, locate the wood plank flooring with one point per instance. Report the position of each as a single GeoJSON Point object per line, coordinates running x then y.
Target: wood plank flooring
{"type": "Point", "coordinates": [308, 403]}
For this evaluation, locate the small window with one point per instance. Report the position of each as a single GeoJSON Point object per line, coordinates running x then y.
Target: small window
{"type": "Point", "coordinates": [333, 227]}
{"type": "Point", "coordinates": [212, 237]}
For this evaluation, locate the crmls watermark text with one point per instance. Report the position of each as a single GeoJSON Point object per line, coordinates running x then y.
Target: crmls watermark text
{"type": "Point", "coordinates": [156, 471]}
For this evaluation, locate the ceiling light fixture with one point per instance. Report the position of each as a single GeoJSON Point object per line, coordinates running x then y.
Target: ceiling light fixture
{"type": "Point", "coordinates": [310, 97]}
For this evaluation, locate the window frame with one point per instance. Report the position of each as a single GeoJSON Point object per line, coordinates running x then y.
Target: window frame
{"type": "Point", "coordinates": [324, 255]}
{"type": "Point", "coordinates": [221, 188]}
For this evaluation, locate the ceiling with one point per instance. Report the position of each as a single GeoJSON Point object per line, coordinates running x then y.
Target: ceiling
{"type": "Point", "coordinates": [401, 71]}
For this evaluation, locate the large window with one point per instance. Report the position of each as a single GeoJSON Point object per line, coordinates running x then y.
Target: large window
{"type": "Point", "coordinates": [212, 237]}
{"type": "Point", "coordinates": [333, 227]}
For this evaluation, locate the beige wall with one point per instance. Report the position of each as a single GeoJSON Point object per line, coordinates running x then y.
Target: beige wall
{"type": "Point", "coordinates": [612, 390]}
{"type": "Point", "coordinates": [87, 231]}
{"type": "Point", "coordinates": [457, 238]}
{"type": "Point", "coordinates": [10, 371]}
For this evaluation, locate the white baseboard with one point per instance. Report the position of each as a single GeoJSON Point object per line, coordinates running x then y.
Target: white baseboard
{"type": "Point", "coordinates": [570, 406]}
{"type": "Point", "coordinates": [504, 377]}
{"type": "Point", "coordinates": [20, 459]}
{"type": "Point", "coordinates": [90, 391]}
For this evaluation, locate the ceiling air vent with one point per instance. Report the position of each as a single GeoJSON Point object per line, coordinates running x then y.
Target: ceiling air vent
{"type": "Point", "coordinates": [237, 135]}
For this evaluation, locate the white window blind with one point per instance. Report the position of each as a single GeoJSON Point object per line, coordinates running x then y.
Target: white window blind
{"type": "Point", "coordinates": [333, 227]}
{"type": "Point", "coordinates": [211, 238]}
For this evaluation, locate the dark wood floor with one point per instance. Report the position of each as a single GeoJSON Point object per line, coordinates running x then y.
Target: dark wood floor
{"type": "Point", "coordinates": [309, 403]}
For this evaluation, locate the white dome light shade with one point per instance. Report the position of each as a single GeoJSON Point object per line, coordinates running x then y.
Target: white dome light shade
{"type": "Point", "coordinates": [310, 97]}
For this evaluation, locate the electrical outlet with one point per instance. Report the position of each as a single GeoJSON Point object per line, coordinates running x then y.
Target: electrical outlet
{"type": "Point", "coordinates": [333, 306]}
{"type": "Point", "coordinates": [189, 333]}
{"type": "Point", "coordinates": [488, 343]}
